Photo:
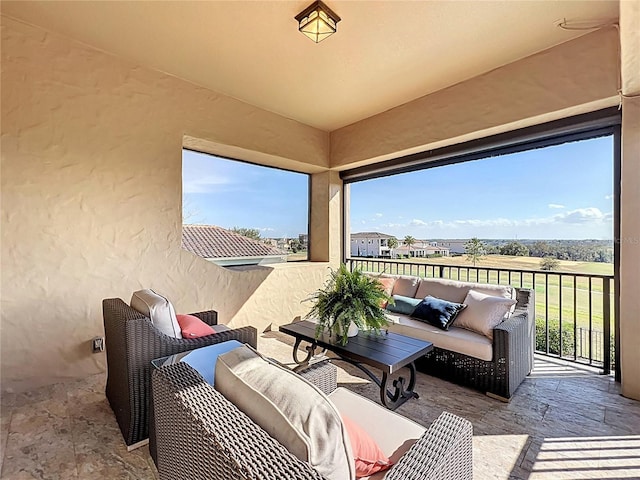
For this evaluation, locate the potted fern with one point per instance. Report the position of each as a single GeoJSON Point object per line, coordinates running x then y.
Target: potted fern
{"type": "Point", "coordinates": [348, 299]}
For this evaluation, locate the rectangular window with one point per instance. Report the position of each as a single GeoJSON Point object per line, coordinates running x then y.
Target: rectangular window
{"type": "Point", "coordinates": [239, 213]}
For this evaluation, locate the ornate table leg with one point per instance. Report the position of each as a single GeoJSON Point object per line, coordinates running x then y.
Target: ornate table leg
{"type": "Point", "coordinates": [392, 399]}
{"type": "Point", "coordinates": [311, 351]}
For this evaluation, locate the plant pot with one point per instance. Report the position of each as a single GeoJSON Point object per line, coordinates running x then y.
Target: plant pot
{"type": "Point", "coordinates": [351, 332]}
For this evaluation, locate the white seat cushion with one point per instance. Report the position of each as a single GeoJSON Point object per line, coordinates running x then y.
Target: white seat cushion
{"type": "Point", "coordinates": [158, 309]}
{"type": "Point", "coordinates": [455, 339]}
{"type": "Point", "coordinates": [290, 409]}
{"type": "Point", "coordinates": [393, 433]}
{"type": "Point", "coordinates": [455, 291]}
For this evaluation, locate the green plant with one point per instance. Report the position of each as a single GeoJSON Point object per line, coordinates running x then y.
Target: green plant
{"type": "Point", "coordinates": [348, 297]}
{"type": "Point", "coordinates": [475, 250]}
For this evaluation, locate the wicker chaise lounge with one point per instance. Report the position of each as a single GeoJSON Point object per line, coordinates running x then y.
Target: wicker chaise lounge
{"type": "Point", "coordinates": [202, 435]}
{"type": "Point", "coordinates": [131, 343]}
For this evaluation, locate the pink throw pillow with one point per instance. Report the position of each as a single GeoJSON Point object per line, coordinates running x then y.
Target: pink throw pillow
{"type": "Point", "coordinates": [368, 456]}
{"type": "Point", "coordinates": [192, 327]}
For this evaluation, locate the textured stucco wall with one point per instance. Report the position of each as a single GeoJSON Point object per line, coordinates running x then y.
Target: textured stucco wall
{"type": "Point", "coordinates": [574, 77]}
{"type": "Point", "coordinates": [91, 193]}
{"type": "Point", "coordinates": [630, 199]}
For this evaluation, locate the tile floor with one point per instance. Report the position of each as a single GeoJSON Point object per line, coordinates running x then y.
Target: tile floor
{"type": "Point", "coordinates": [563, 422]}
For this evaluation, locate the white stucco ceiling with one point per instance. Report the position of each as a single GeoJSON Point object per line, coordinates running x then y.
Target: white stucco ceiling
{"type": "Point", "coordinates": [385, 53]}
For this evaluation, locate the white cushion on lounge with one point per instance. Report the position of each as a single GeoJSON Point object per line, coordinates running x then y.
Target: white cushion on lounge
{"type": "Point", "coordinates": [483, 312]}
{"type": "Point", "coordinates": [455, 339]}
{"type": "Point", "coordinates": [406, 286]}
{"type": "Point", "coordinates": [455, 291]}
{"type": "Point", "coordinates": [290, 409]}
{"type": "Point", "coordinates": [158, 309]}
{"type": "Point", "coordinates": [393, 433]}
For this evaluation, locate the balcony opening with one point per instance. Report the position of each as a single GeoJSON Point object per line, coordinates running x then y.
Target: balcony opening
{"type": "Point", "coordinates": [239, 213]}
{"type": "Point", "coordinates": [539, 211]}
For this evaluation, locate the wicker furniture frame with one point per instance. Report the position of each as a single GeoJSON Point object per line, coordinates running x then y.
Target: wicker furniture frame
{"type": "Point", "coordinates": [201, 435]}
{"type": "Point", "coordinates": [512, 355]}
{"type": "Point", "coordinates": [131, 343]}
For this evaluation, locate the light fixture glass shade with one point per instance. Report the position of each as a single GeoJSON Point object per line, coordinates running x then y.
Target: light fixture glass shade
{"type": "Point", "coordinates": [317, 21]}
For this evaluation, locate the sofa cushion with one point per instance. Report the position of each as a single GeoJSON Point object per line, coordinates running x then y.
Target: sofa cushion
{"type": "Point", "coordinates": [392, 432]}
{"type": "Point", "coordinates": [406, 286]}
{"type": "Point", "coordinates": [290, 409]}
{"type": "Point", "coordinates": [456, 291]}
{"type": "Point", "coordinates": [192, 327]}
{"type": "Point", "coordinates": [158, 309]}
{"type": "Point", "coordinates": [404, 305]}
{"type": "Point", "coordinates": [387, 285]}
{"type": "Point", "coordinates": [483, 312]}
{"type": "Point", "coordinates": [455, 339]}
{"type": "Point", "coordinates": [369, 459]}
{"type": "Point", "coordinates": [438, 312]}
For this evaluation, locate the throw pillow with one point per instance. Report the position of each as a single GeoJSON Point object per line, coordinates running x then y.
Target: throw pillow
{"type": "Point", "coordinates": [406, 286]}
{"type": "Point", "coordinates": [290, 409]}
{"type": "Point", "coordinates": [387, 285]}
{"type": "Point", "coordinates": [369, 458]}
{"type": "Point", "coordinates": [158, 309]}
{"type": "Point", "coordinates": [192, 327]}
{"type": "Point", "coordinates": [404, 305]}
{"type": "Point", "coordinates": [439, 313]}
{"type": "Point", "coordinates": [483, 312]}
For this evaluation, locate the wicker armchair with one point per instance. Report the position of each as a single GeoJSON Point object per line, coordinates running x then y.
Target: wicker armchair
{"type": "Point", "coordinates": [131, 343]}
{"type": "Point", "coordinates": [201, 435]}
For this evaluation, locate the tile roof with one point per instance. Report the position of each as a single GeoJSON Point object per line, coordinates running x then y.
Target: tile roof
{"type": "Point", "coordinates": [210, 241]}
{"type": "Point", "coordinates": [371, 235]}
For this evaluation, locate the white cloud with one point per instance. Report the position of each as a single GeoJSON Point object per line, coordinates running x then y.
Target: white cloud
{"type": "Point", "coordinates": [204, 184]}
{"type": "Point", "coordinates": [555, 205]}
{"type": "Point", "coordinates": [418, 223]}
{"type": "Point", "coordinates": [583, 215]}
{"type": "Point", "coordinates": [608, 197]}
{"type": "Point", "coordinates": [378, 215]}
{"type": "Point", "coordinates": [267, 229]}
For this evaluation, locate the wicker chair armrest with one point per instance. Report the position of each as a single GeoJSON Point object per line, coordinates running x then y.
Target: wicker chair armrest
{"type": "Point", "coordinates": [201, 435]}
{"type": "Point", "coordinates": [210, 317]}
{"type": "Point", "coordinates": [444, 451]}
{"type": "Point", "coordinates": [323, 375]}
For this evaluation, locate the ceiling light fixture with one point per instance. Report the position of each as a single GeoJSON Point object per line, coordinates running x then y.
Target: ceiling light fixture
{"type": "Point", "coordinates": [317, 21]}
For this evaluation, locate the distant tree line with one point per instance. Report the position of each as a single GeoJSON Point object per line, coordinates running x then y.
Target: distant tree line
{"type": "Point", "coordinates": [576, 250]}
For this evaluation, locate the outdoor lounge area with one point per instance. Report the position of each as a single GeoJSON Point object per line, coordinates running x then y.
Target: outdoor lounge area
{"type": "Point", "coordinates": [564, 422]}
{"type": "Point", "coordinates": [102, 102]}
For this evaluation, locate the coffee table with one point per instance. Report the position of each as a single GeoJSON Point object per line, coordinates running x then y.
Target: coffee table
{"type": "Point", "coordinates": [388, 352]}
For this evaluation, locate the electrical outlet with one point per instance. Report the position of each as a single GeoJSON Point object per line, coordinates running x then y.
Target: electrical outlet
{"type": "Point", "coordinates": [97, 344]}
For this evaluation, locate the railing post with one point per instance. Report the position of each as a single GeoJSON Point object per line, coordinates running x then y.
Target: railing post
{"type": "Point", "coordinates": [606, 316]}
{"type": "Point", "coordinates": [440, 271]}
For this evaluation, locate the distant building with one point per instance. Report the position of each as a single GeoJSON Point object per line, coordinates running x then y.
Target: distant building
{"type": "Point", "coordinates": [225, 247]}
{"type": "Point", "coordinates": [421, 248]}
{"type": "Point", "coordinates": [454, 246]}
{"type": "Point", "coordinates": [370, 244]}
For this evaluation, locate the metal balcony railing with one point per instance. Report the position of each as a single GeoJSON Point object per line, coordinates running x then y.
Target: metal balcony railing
{"type": "Point", "coordinates": [575, 315]}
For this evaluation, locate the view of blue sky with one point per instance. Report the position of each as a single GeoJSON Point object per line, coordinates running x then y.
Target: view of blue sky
{"type": "Point", "coordinates": [228, 193]}
{"type": "Point", "coordinates": [561, 192]}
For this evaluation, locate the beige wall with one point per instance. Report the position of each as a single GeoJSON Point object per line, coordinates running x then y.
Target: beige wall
{"type": "Point", "coordinates": [575, 77]}
{"type": "Point", "coordinates": [630, 199]}
{"type": "Point", "coordinates": [91, 193]}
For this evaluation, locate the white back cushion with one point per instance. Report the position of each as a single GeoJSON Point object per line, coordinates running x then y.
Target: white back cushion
{"type": "Point", "coordinates": [158, 309]}
{"type": "Point", "coordinates": [483, 312]}
{"type": "Point", "coordinates": [290, 409]}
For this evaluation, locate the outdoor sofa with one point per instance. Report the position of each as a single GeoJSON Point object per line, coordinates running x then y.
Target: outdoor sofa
{"type": "Point", "coordinates": [201, 434]}
{"type": "Point", "coordinates": [496, 362]}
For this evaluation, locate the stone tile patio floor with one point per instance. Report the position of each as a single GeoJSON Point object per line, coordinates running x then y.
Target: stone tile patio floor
{"type": "Point", "coordinates": [563, 422]}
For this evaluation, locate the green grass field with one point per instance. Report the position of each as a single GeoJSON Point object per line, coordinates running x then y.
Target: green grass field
{"type": "Point", "coordinates": [562, 298]}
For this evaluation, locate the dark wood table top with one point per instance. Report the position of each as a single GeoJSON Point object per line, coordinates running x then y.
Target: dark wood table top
{"type": "Point", "coordinates": [389, 351]}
